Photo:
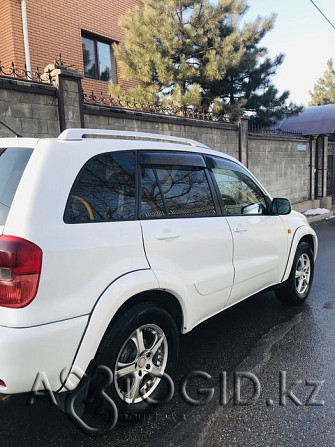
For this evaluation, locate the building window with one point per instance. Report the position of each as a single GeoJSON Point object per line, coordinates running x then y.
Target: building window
{"type": "Point", "coordinates": [99, 60]}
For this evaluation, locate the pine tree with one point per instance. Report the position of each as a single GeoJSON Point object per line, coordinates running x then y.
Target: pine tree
{"type": "Point", "coordinates": [324, 89]}
{"type": "Point", "coordinates": [200, 54]}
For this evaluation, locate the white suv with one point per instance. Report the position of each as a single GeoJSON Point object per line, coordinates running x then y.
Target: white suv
{"type": "Point", "coordinates": [112, 243]}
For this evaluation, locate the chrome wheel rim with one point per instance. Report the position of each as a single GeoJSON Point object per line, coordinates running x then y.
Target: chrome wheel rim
{"type": "Point", "coordinates": [141, 363]}
{"type": "Point", "coordinates": [303, 274]}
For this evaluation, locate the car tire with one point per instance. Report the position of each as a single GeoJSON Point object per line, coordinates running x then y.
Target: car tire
{"type": "Point", "coordinates": [295, 290]}
{"type": "Point", "coordinates": [141, 350]}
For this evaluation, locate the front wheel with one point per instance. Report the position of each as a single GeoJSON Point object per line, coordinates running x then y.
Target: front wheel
{"type": "Point", "coordinates": [141, 351]}
{"type": "Point", "coordinates": [296, 288]}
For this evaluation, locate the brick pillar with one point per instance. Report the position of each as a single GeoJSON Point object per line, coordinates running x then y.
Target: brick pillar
{"type": "Point", "coordinates": [70, 98]}
{"type": "Point", "coordinates": [243, 128]}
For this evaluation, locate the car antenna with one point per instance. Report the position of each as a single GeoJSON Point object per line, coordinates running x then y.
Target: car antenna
{"type": "Point", "coordinates": [11, 130]}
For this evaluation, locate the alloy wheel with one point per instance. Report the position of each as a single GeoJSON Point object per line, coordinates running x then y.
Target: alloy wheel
{"type": "Point", "coordinates": [141, 363]}
{"type": "Point", "coordinates": [303, 274]}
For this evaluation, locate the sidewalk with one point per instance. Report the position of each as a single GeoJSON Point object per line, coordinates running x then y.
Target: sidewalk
{"type": "Point", "coordinates": [317, 217]}
{"type": "Point", "coordinates": [317, 214]}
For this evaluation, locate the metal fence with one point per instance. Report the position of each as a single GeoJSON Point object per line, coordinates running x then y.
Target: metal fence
{"type": "Point", "coordinates": [275, 132]}
{"type": "Point", "coordinates": [45, 76]}
{"type": "Point", "coordinates": [156, 108]}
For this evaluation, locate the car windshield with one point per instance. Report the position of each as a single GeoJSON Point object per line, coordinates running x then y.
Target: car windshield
{"type": "Point", "coordinates": [13, 161]}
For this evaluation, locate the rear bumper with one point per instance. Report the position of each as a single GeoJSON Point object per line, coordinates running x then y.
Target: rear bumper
{"type": "Point", "coordinates": [47, 349]}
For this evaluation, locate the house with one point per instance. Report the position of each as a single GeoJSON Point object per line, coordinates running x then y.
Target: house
{"type": "Point", "coordinates": [34, 33]}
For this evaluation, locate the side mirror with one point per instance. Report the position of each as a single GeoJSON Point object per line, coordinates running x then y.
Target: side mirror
{"type": "Point", "coordinates": [280, 206]}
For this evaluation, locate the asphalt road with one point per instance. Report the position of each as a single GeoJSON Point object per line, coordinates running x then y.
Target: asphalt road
{"type": "Point", "coordinates": [288, 353]}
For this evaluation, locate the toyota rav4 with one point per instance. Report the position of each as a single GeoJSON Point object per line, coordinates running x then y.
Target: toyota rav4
{"type": "Point", "coordinates": [113, 243]}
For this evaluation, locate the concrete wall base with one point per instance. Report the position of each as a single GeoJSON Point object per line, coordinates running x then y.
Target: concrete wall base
{"type": "Point", "coordinates": [326, 202]}
{"type": "Point", "coordinates": [323, 202]}
{"type": "Point", "coordinates": [303, 206]}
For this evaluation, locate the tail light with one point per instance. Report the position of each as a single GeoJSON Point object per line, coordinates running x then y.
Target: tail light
{"type": "Point", "coordinates": [20, 269]}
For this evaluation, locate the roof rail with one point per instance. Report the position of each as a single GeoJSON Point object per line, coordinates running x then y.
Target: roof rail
{"type": "Point", "coordinates": [78, 134]}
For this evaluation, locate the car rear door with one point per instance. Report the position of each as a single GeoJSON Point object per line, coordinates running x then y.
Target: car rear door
{"type": "Point", "coordinates": [188, 244]}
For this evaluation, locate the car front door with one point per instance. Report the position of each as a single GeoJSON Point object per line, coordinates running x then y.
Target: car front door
{"type": "Point", "coordinates": [260, 239]}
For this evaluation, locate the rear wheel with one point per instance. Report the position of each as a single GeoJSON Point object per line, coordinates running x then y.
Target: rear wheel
{"type": "Point", "coordinates": [296, 288]}
{"type": "Point", "coordinates": [139, 349]}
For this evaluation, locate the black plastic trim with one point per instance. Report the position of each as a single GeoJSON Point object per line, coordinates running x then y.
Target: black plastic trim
{"type": "Point", "coordinates": [171, 158]}
{"type": "Point", "coordinates": [214, 162]}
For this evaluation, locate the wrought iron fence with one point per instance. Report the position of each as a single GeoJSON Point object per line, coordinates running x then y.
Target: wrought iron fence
{"type": "Point", "coordinates": [16, 72]}
{"type": "Point", "coordinates": [156, 108]}
{"type": "Point", "coordinates": [46, 76]}
{"type": "Point", "coordinates": [254, 130]}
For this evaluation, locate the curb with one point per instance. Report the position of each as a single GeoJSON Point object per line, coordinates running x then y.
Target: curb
{"type": "Point", "coordinates": [318, 217]}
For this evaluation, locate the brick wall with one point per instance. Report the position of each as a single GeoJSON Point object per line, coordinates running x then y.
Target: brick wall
{"type": "Point", "coordinates": [56, 28]}
{"type": "Point", "coordinates": [11, 41]}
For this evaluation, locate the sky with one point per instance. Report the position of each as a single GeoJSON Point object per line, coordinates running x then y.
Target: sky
{"type": "Point", "coordinates": [304, 36]}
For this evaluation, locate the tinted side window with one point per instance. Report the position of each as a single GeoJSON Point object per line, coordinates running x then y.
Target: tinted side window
{"type": "Point", "coordinates": [175, 191]}
{"type": "Point", "coordinates": [104, 190]}
{"type": "Point", "coordinates": [240, 195]}
{"type": "Point", "coordinates": [152, 204]}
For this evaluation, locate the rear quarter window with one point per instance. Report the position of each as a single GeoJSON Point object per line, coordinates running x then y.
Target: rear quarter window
{"type": "Point", "coordinates": [105, 190]}
{"type": "Point", "coordinates": [13, 162]}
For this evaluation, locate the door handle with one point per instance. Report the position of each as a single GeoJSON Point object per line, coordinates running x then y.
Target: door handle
{"type": "Point", "coordinates": [162, 237]}
{"type": "Point", "coordinates": [240, 229]}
